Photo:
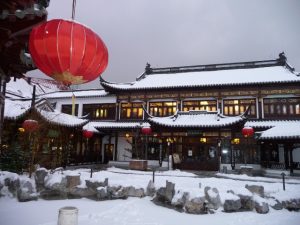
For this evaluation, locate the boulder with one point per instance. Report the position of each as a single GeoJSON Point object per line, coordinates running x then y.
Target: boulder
{"type": "Point", "coordinates": [102, 193]}
{"type": "Point", "coordinates": [160, 197]}
{"type": "Point", "coordinates": [196, 206]}
{"type": "Point", "coordinates": [48, 194]}
{"type": "Point", "coordinates": [256, 189]}
{"type": "Point", "coordinates": [39, 177]}
{"type": "Point", "coordinates": [213, 197]}
{"type": "Point", "coordinates": [93, 184]}
{"type": "Point", "coordinates": [13, 185]}
{"type": "Point", "coordinates": [135, 192]}
{"type": "Point", "coordinates": [292, 204]}
{"type": "Point", "coordinates": [25, 196]}
{"type": "Point", "coordinates": [179, 199]}
{"type": "Point", "coordinates": [79, 192]}
{"type": "Point", "coordinates": [26, 191]}
{"type": "Point", "coordinates": [72, 181]}
{"type": "Point", "coordinates": [233, 204]}
{"type": "Point", "coordinates": [247, 202]}
{"type": "Point", "coordinates": [116, 192]}
{"type": "Point", "coordinates": [59, 185]}
{"type": "Point", "coordinates": [170, 191]}
{"type": "Point", "coordinates": [277, 205]}
{"type": "Point", "coordinates": [261, 207]}
{"type": "Point", "coordinates": [150, 191]}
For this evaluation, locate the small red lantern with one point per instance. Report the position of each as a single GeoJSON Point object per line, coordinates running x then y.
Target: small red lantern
{"type": "Point", "coordinates": [88, 134]}
{"type": "Point", "coordinates": [67, 51]}
{"type": "Point", "coordinates": [248, 131]}
{"type": "Point", "coordinates": [30, 125]}
{"type": "Point", "coordinates": [146, 130]}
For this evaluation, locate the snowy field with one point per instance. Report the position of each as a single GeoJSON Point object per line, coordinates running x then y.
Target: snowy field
{"type": "Point", "coordinates": [133, 211]}
{"type": "Point", "coordinates": [141, 211]}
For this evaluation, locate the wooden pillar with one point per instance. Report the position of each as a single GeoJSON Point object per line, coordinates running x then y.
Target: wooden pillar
{"type": "Point", "coordinates": [291, 159]}
{"type": "Point", "coordinates": [286, 156]}
{"type": "Point", "coordinates": [116, 147]}
{"type": "Point", "coordinates": [268, 155]}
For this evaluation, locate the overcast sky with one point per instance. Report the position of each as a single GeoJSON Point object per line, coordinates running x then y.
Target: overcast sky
{"type": "Point", "coordinates": [186, 32]}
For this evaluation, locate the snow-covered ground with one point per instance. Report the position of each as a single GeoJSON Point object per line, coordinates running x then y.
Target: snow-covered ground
{"type": "Point", "coordinates": [135, 211]}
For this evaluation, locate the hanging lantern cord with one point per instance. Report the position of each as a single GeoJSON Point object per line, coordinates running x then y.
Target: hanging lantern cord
{"type": "Point", "coordinates": [73, 9]}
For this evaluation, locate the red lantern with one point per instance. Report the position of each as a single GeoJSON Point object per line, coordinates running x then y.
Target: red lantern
{"type": "Point", "coordinates": [30, 125]}
{"type": "Point", "coordinates": [67, 51]}
{"type": "Point", "coordinates": [146, 130]}
{"type": "Point", "coordinates": [88, 134]}
{"type": "Point", "coordinates": [248, 131]}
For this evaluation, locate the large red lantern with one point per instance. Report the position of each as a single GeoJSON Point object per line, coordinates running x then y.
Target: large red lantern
{"type": "Point", "coordinates": [247, 131]}
{"type": "Point", "coordinates": [30, 125]}
{"type": "Point", "coordinates": [67, 51]}
{"type": "Point", "coordinates": [88, 134]}
{"type": "Point", "coordinates": [146, 130]}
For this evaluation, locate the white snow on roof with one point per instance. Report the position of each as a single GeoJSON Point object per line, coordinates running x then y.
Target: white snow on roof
{"type": "Point", "coordinates": [15, 109]}
{"type": "Point", "coordinates": [268, 123]}
{"type": "Point", "coordinates": [282, 131]}
{"type": "Point", "coordinates": [21, 88]}
{"type": "Point", "coordinates": [62, 119]}
{"type": "Point", "coordinates": [274, 74]}
{"type": "Point", "coordinates": [196, 119]}
{"type": "Point", "coordinates": [114, 124]}
{"type": "Point", "coordinates": [78, 94]}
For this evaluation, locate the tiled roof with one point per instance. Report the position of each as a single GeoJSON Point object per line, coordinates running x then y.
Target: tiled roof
{"type": "Point", "coordinates": [208, 78]}
{"type": "Point", "coordinates": [267, 123]}
{"type": "Point", "coordinates": [196, 119]}
{"type": "Point", "coordinates": [17, 109]}
{"type": "Point", "coordinates": [282, 131]}
{"type": "Point", "coordinates": [77, 93]}
{"type": "Point", "coordinates": [114, 124]}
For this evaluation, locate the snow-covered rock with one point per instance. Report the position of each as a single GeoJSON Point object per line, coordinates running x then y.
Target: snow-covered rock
{"type": "Point", "coordinates": [232, 203]}
{"type": "Point", "coordinates": [213, 197]}
{"type": "Point", "coordinates": [150, 190]}
{"type": "Point", "coordinates": [39, 176]}
{"type": "Point", "coordinates": [196, 206]}
{"type": "Point", "coordinates": [135, 192]}
{"type": "Point", "coordinates": [180, 198]}
{"type": "Point", "coordinates": [94, 184]}
{"type": "Point", "coordinates": [256, 189]}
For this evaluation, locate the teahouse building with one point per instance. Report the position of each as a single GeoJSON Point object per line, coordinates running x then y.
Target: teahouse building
{"type": "Point", "coordinates": [197, 114]}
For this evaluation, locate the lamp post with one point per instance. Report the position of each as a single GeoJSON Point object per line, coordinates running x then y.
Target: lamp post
{"type": "Point", "coordinates": [247, 132]}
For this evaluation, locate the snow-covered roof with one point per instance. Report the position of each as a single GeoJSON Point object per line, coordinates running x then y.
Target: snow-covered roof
{"type": "Point", "coordinates": [278, 129]}
{"type": "Point", "coordinates": [209, 78]}
{"type": "Point", "coordinates": [21, 88]}
{"type": "Point", "coordinates": [114, 124]}
{"type": "Point", "coordinates": [17, 109]}
{"type": "Point", "coordinates": [268, 123]}
{"type": "Point", "coordinates": [77, 93]}
{"type": "Point", "coordinates": [290, 130]}
{"type": "Point", "coordinates": [196, 119]}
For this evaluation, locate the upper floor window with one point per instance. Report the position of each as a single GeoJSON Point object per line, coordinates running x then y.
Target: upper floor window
{"type": "Point", "coordinates": [131, 110]}
{"type": "Point", "coordinates": [281, 107]}
{"type": "Point", "coordinates": [208, 105]}
{"type": "Point", "coordinates": [100, 111]}
{"type": "Point", "coordinates": [162, 108]}
{"type": "Point", "coordinates": [235, 107]}
{"type": "Point", "coordinates": [68, 109]}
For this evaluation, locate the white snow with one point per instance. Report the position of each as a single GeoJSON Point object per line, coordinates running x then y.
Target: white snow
{"type": "Point", "coordinates": [114, 124]}
{"type": "Point", "coordinates": [211, 78]}
{"type": "Point", "coordinates": [133, 211]}
{"type": "Point", "coordinates": [143, 211]}
{"type": "Point", "coordinates": [196, 119]}
{"type": "Point", "coordinates": [277, 129]}
{"type": "Point", "coordinates": [76, 93]}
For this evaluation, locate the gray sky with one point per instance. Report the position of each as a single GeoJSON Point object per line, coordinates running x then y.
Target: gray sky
{"type": "Point", "coordinates": [186, 32]}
